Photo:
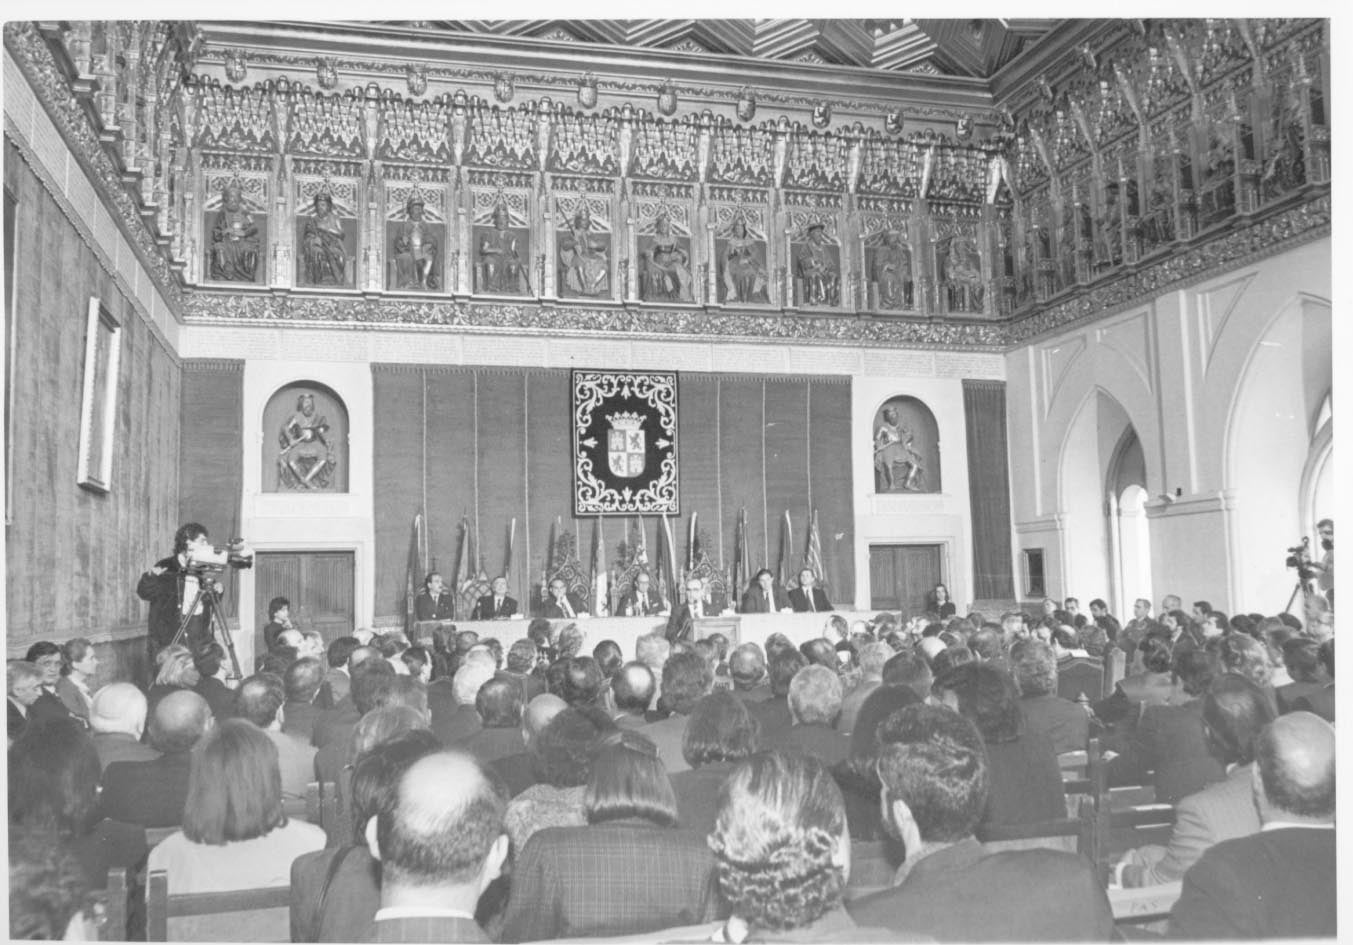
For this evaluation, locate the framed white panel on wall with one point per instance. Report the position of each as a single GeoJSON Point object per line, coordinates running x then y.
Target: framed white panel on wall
{"type": "Point", "coordinates": [98, 404]}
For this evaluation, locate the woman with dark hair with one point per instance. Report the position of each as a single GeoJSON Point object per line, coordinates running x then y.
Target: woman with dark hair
{"type": "Point", "coordinates": [78, 665]}
{"type": "Point", "coordinates": [940, 603]}
{"type": "Point", "coordinates": [419, 663]}
{"type": "Point", "coordinates": [857, 776]}
{"type": "Point", "coordinates": [653, 875]}
{"type": "Point", "coordinates": [47, 657]}
{"type": "Point", "coordinates": [235, 834]}
{"type": "Point", "coordinates": [1026, 782]}
{"type": "Point", "coordinates": [720, 732]}
{"type": "Point", "coordinates": [177, 671]}
{"type": "Point", "coordinates": [53, 784]}
{"type": "Point", "coordinates": [561, 762]}
{"type": "Point", "coordinates": [783, 852]}
{"type": "Point", "coordinates": [209, 659]}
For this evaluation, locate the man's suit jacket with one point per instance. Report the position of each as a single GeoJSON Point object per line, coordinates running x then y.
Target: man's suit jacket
{"type": "Point", "coordinates": [962, 893]}
{"type": "Point", "coordinates": [799, 600]}
{"type": "Point", "coordinates": [1065, 723]}
{"type": "Point", "coordinates": [771, 714]}
{"type": "Point", "coordinates": [220, 697]}
{"type": "Point", "coordinates": [634, 605]}
{"type": "Point", "coordinates": [484, 609]}
{"type": "Point", "coordinates": [652, 877]}
{"type": "Point", "coordinates": [336, 724]}
{"type": "Point", "coordinates": [1273, 884]}
{"type": "Point", "coordinates": [667, 735]}
{"type": "Point", "coordinates": [457, 725]}
{"type": "Point", "coordinates": [148, 793]}
{"type": "Point", "coordinates": [352, 900]}
{"type": "Point", "coordinates": [812, 740]}
{"type": "Point", "coordinates": [427, 608]}
{"type": "Point", "coordinates": [1221, 811]}
{"type": "Point", "coordinates": [421, 931]}
{"type": "Point", "coordinates": [48, 706]}
{"type": "Point", "coordinates": [1321, 702]}
{"type": "Point", "coordinates": [552, 610]}
{"type": "Point", "coordinates": [697, 795]}
{"type": "Point", "coordinates": [115, 746]}
{"type": "Point", "coordinates": [754, 601]}
{"type": "Point", "coordinates": [1169, 741]}
{"type": "Point", "coordinates": [298, 718]}
{"type": "Point", "coordinates": [1026, 782]}
{"type": "Point", "coordinates": [490, 744]}
{"type": "Point", "coordinates": [1288, 695]}
{"type": "Point", "coordinates": [515, 772]}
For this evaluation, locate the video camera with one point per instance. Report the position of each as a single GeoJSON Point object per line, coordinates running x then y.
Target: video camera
{"type": "Point", "coordinates": [1299, 557]}
{"type": "Point", "coordinates": [236, 554]}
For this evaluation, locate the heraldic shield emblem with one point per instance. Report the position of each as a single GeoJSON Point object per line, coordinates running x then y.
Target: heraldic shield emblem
{"type": "Point", "coordinates": [624, 442]}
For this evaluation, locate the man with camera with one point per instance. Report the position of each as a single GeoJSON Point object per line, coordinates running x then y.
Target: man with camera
{"type": "Point", "coordinates": [171, 586]}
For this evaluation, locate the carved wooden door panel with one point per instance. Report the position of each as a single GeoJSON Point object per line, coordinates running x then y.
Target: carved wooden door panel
{"type": "Point", "coordinates": [319, 585]}
{"type": "Point", "coordinates": [901, 577]}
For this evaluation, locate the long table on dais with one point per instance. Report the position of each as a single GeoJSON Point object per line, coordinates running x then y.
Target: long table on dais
{"type": "Point", "coordinates": [738, 628]}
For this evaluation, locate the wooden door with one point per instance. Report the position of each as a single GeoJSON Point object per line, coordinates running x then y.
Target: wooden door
{"type": "Point", "coordinates": [901, 577]}
{"type": "Point", "coordinates": [319, 585]}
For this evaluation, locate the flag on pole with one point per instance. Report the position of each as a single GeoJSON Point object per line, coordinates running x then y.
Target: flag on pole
{"type": "Point", "coordinates": [414, 570]}
{"type": "Point", "coordinates": [511, 541]}
{"type": "Point", "coordinates": [786, 548]}
{"type": "Point", "coordinates": [667, 552]}
{"type": "Point", "coordinates": [742, 554]}
{"type": "Point", "coordinates": [463, 566]}
{"type": "Point", "coordinates": [600, 576]}
{"type": "Point", "coordinates": [812, 558]}
{"type": "Point", "coordinates": [641, 554]}
{"type": "Point", "coordinates": [691, 549]}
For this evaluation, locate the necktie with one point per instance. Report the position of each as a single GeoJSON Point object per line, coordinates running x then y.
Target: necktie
{"type": "Point", "coordinates": [568, 611]}
{"type": "Point", "coordinates": [808, 592]}
{"type": "Point", "coordinates": [497, 604]}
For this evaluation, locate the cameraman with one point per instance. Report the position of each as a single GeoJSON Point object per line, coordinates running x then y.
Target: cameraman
{"type": "Point", "coordinates": [170, 588]}
{"type": "Point", "coordinates": [1325, 567]}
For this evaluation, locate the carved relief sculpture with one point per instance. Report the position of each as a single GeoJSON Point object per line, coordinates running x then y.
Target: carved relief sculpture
{"type": "Point", "coordinates": [961, 271]}
{"type": "Point", "coordinates": [414, 250]}
{"type": "Point", "coordinates": [890, 272]}
{"type": "Point", "coordinates": [306, 457]}
{"type": "Point", "coordinates": [325, 254]}
{"type": "Point", "coordinates": [234, 238]}
{"type": "Point", "coordinates": [503, 257]}
{"type": "Point", "coordinates": [664, 265]}
{"type": "Point", "coordinates": [743, 278]}
{"type": "Point", "coordinates": [897, 465]}
{"type": "Point", "coordinates": [817, 270]}
{"type": "Point", "coordinates": [584, 259]}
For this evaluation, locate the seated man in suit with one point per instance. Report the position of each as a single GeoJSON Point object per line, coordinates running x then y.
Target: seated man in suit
{"type": "Point", "coordinates": [302, 681]}
{"type": "Point", "coordinates": [934, 776]}
{"type": "Point", "coordinates": [1235, 711]}
{"type": "Point", "coordinates": [260, 699]}
{"type": "Point", "coordinates": [118, 718]}
{"type": "Point", "coordinates": [495, 605]}
{"type": "Point", "coordinates": [152, 793]}
{"type": "Point", "coordinates": [814, 706]}
{"type": "Point", "coordinates": [562, 603]}
{"type": "Point", "coordinates": [807, 596]}
{"type": "Point", "coordinates": [1279, 882]}
{"type": "Point", "coordinates": [642, 600]}
{"type": "Point", "coordinates": [764, 596]}
{"type": "Point", "coordinates": [1065, 723]}
{"type": "Point", "coordinates": [440, 847]}
{"type": "Point", "coordinates": [433, 601]}
{"type": "Point", "coordinates": [681, 625]}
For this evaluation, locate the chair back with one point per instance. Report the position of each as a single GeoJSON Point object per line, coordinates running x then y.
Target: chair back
{"type": "Point", "coordinates": [245, 915]}
{"type": "Point", "coordinates": [114, 928]}
{"type": "Point", "coordinates": [154, 835]}
{"type": "Point", "coordinates": [330, 813]}
{"type": "Point", "coordinates": [1068, 834]}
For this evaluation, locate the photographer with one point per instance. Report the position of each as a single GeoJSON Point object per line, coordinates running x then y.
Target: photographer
{"type": "Point", "coordinates": [170, 586]}
{"type": "Point", "coordinates": [1325, 568]}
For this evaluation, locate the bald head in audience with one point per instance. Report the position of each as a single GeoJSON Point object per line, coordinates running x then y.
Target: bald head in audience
{"type": "Point", "coordinates": [180, 719]}
{"type": "Point", "coordinates": [119, 709]}
{"type": "Point", "coordinates": [1294, 774]}
{"type": "Point", "coordinates": [632, 689]}
{"type": "Point", "coordinates": [539, 711]}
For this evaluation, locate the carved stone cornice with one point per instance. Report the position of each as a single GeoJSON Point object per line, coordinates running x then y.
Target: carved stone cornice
{"type": "Point", "coordinates": [330, 311]}
{"type": "Point", "coordinates": [1275, 234]}
{"type": "Point", "coordinates": [35, 59]}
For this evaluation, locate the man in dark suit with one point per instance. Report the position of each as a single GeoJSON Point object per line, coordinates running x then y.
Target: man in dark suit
{"type": "Point", "coordinates": [764, 596]}
{"type": "Point", "coordinates": [302, 681]}
{"type": "Point", "coordinates": [152, 793]}
{"type": "Point", "coordinates": [934, 791]}
{"type": "Point", "coordinates": [681, 625]}
{"type": "Point", "coordinates": [630, 695]}
{"type": "Point", "coordinates": [641, 600]}
{"type": "Point", "coordinates": [516, 771]}
{"type": "Point", "coordinates": [24, 684]}
{"type": "Point", "coordinates": [814, 705]}
{"type": "Point", "coordinates": [1279, 882]}
{"type": "Point", "coordinates": [1065, 723]}
{"type": "Point", "coordinates": [118, 718]}
{"type": "Point", "coordinates": [456, 721]}
{"type": "Point", "coordinates": [807, 596]}
{"type": "Point", "coordinates": [495, 605]}
{"type": "Point", "coordinates": [440, 847]}
{"type": "Point", "coordinates": [747, 666]}
{"type": "Point", "coordinates": [499, 705]}
{"type": "Point", "coordinates": [336, 724]}
{"type": "Point", "coordinates": [773, 714]}
{"type": "Point", "coordinates": [562, 604]}
{"type": "Point", "coordinates": [164, 586]}
{"type": "Point", "coordinates": [433, 602]}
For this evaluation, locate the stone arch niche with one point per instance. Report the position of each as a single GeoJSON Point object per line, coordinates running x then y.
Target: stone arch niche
{"type": "Point", "coordinates": [906, 447]}
{"type": "Point", "coordinates": [305, 440]}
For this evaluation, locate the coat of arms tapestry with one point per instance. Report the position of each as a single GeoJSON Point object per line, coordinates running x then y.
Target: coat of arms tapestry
{"type": "Point", "coordinates": [625, 443]}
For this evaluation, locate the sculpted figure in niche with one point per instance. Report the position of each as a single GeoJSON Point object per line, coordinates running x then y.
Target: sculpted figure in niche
{"type": "Point", "coordinates": [325, 257]}
{"type": "Point", "coordinates": [744, 276]}
{"type": "Point", "coordinates": [664, 274]}
{"type": "Point", "coordinates": [817, 272]}
{"type": "Point", "coordinates": [583, 256]}
{"type": "Point", "coordinates": [415, 246]}
{"type": "Point", "coordinates": [234, 239]}
{"type": "Point", "coordinates": [897, 464]}
{"type": "Point", "coordinates": [963, 276]}
{"type": "Point", "coordinates": [503, 269]}
{"type": "Point", "coordinates": [892, 273]}
{"type": "Point", "coordinates": [306, 458]}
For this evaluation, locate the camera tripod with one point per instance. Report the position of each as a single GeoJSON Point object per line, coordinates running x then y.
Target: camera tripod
{"type": "Point", "coordinates": [1302, 589]}
{"type": "Point", "coordinates": [208, 597]}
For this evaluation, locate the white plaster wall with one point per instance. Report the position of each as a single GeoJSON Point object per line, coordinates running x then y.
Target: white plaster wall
{"type": "Point", "coordinates": [942, 518]}
{"type": "Point", "coordinates": [1177, 367]}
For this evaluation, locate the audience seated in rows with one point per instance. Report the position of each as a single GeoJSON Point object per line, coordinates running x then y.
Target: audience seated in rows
{"type": "Point", "coordinates": [153, 793]}
{"type": "Point", "coordinates": [1065, 723]}
{"type": "Point", "coordinates": [814, 705]}
{"type": "Point", "coordinates": [561, 762]}
{"type": "Point", "coordinates": [719, 733]}
{"type": "Point", "coordinates": [118, 720]}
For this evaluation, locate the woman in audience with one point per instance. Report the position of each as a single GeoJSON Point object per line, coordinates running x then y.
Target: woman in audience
{"type": "Point", "coordinates": [1026, 783]}
{"type": "Point", "coordinates": [629, 870]}
{"type": "Point", "coordinates": [235, 834]}
{"type": "Point", "coordinates": [78, 665]}
{"type": "Point", "coordinates": [1301, 655]}
{"type": "Point", "coordinates": [47, 657]}
{"type": "Point", "coordinates": [1150, 683]}
{"type": "Point", "coordinates": [337, 890]}
{"type": "Point", "coordinates": [561, 762]}
{"type": "Point", "coordinates": [857, 776]}
{"type": "Point", "coordinates": [210, 663]}
{"type": "Point", "coordinates": [1238, 653]}
{"type": "Point", "coordinates": [783, 852]}
{"type": "Point", "coordinates": [941, 604]}
{"type": "Point", "coordinates": [177, 671]}
{"type": "Point", "coordinates": [54, 784]}
{"type": "Point", "coordinates": [719, 733]}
